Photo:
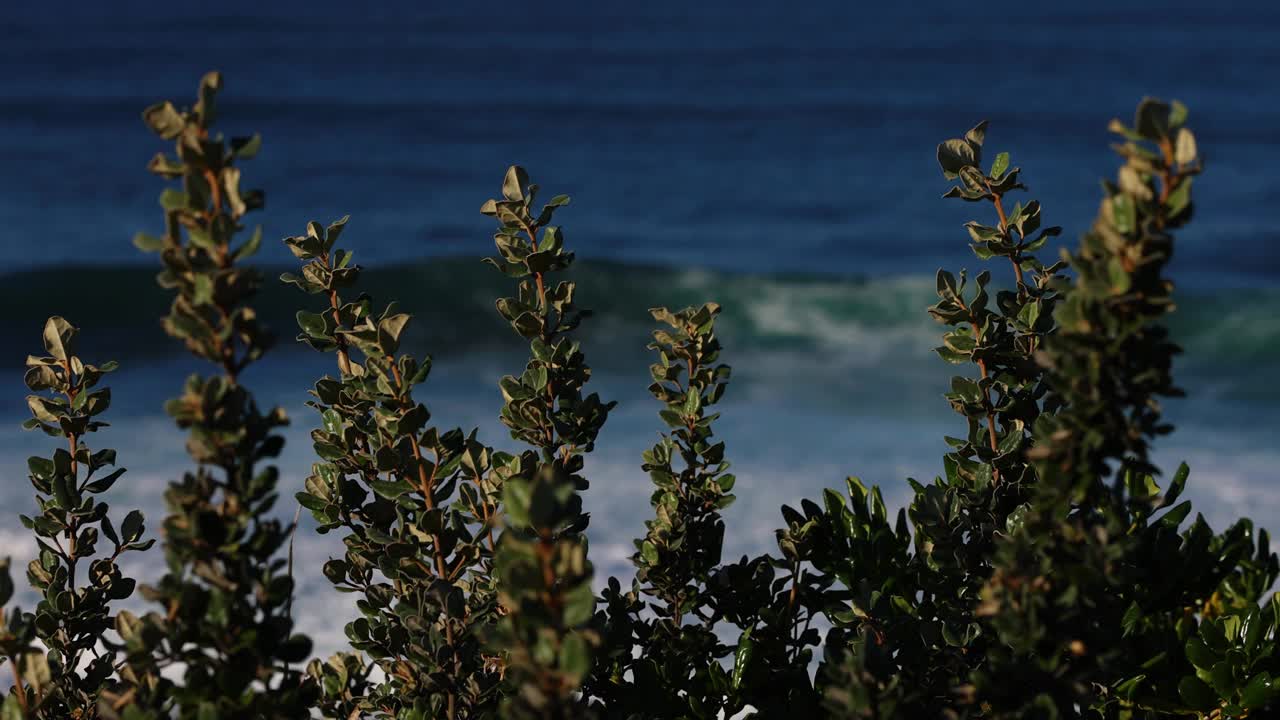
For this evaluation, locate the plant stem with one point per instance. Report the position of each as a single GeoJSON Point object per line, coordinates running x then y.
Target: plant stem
{"type": "Point", "coordinates": [18, 687]}
{"type": "Point", "coordinates": [1004, 230]}
{"type": "Point", "coordinates": [986, 400]}
{"type": "Point", "coordinates": [344, 360]}
{"type": "Point", "coordinates": [427, 486]}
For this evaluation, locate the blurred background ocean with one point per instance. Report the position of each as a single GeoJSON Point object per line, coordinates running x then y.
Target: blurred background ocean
{"type": "Point", "coordinates": [776, 158]}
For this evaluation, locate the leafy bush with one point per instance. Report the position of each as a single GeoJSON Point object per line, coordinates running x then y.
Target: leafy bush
{"type": "Point", "coordinates": [69, 620]}
{"type": "Point", "coordinates": [1045, 573]}
{"type": "Point", "coordinates": [226, 598]}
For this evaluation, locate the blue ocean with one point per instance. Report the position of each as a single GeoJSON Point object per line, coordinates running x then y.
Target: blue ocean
{"type": "Point", "coordinates": [775, 158]}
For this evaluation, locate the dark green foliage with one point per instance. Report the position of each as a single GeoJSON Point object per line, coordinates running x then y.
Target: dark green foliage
{"type": "Point", "coordinates": [541, 568]}
{"type": "Point", "coordinates": [76, 582]}
{"type": "Point", "coordinates": [1096, 588]}
{"type": "Point", "coordinates": [29, 665]}
{"type": "Point", "coordinates": [665, 656]}
{"type": "Point", "coordinates": [1046, 573]}
{"type": "Point", "coordinates": [1038, 587]}
{"type": "Point", "coordinates": [670, 612]}
{"type": "Point", "coordinates": [907, 631]}
{"type": "Point", "coordinates": [418, 507]}
{"type": "Point", "coordinates": [225, 602]}
{"type": "Point", "coordinates": [1111, 358]}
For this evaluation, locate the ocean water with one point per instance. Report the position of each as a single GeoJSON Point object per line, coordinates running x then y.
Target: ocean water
{"type": "Point", "coordinates": [775, 159]}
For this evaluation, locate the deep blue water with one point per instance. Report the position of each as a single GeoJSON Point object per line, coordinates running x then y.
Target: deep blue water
{"type": "Point", "coordinates": [750, 136]}
{"type": "Point", "coordinates": [781, 154]}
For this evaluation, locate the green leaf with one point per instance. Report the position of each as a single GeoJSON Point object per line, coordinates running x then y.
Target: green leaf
{"type": "Point", "coordinates": [59, 338]}
{"type": "Point", "coordinates": [967, 389]}
{"type": "Point", "coordinates": [1199, 654]}
{"type": "Point", "coordinates": [105, 482]}
{"type": "Point", "coordinates": [1123, 213]}
{"type": "Point", "coordinates": [35, 670]}
{"type": "Point", "coordinates": [575, 656]}
{"type": "Point", "coordinates": [41, 468]}
{"type": "Point", "coordinates": [742, 658]}
{"type": "Point", "coordinates": [535, 377]}
{"type": "Point", "coordinates": [164, 120]}
{"type": "Point", "coordinates": [1185, 151]}
{"type": "Point", "coordinates": [389, 331]}
{"type": "Point", "coordinates": [1176, 486]}
{"type": "Point", "coordinates": [311, 502]}
{"type": "Point", "coordinates": [131, 528]}
{"type": "Point", "coordinates": [1118, 277]}
{"type": "Point", "coordinates": [313, 324]}
{"type": "Point", "coordinates": [1258, 691]}
{"type": "Point", "coordinates": [954, 156]}
{"type": "Point", "coordinates": [390, 489]}
{"type": "Point", "coordinates": [1180, 198]}
{"type": "Point", "coordinates": [46, 409]}
{"type": "Point", "coordinates": [173, 200]}
{"type": "Point", "coordinates": [1196, 694]}
{"type": "Point", "coordinates": [977, 135]}
{"type": "Point", "coordinates": [999, 165]}
{"type": "Point", "coordinates": [97, 402]}
{"type": "Point", "coordinates": [127, 625]}
{"type": "Point", "coordinates": [210, 84]}
{"type": "Point", "coordinates": [973, 179]}
{"type": "Point", "coordinates": [579, 605]}
{"type": "Point", "coordinates": [1222, 678]}
{"type": "Point", "coordinates": [692, 402]}
{"type": "Point", "coordinates": [148, 243]}
{"type": "Point", "coordinates": [41, 377]}
{"type": "Point", "coordinates": [334, 231]}
{"type": "Point", "coordinates": [649, 552]}
{"type": "Point", "coordinates": [516, 499]}
{"type": "Point", "coordinates": [6, 583]}
{"type": "Point", "coordinates": [514, 182]}
{"type": "Point", "coordinates": [12, 709]}
{"type": "Point", "coordinates": [244, 148]}
{"type": "Point", "coordinates": [250, 246]}
{"type": "Point", "coordinates": [1174, 517]}
{"type": "Point", "coordinates": [1152, 119]}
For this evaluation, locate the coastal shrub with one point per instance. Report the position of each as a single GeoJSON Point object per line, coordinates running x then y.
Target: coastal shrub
{"type": "Point", "coordinates": [221, 643]}
{"type": "Point", "coordinates": [76, 583]}
{"type": "Point", "coordinates": [1048, 571]}
{"type": "Point", "coordinates": [418, 508]}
